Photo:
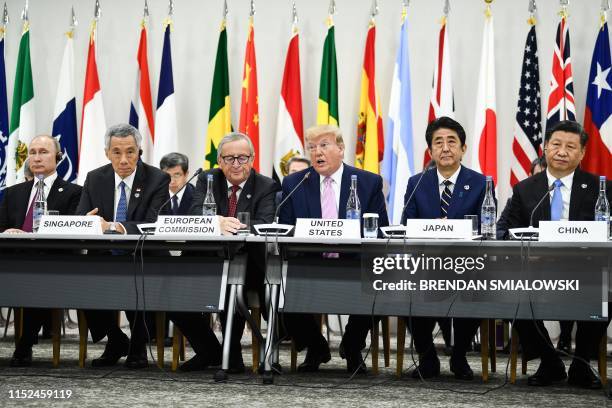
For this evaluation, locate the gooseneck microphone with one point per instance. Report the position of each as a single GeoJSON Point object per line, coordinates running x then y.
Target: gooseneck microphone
{"type": "Point", "coordinates": [432, 165]}
{"type": "Point", "coordinates": [196, 174]}
{"type": "Point", "coordinates": [278, 207]}
{"type": "Point", "coordinates": [552, 186]}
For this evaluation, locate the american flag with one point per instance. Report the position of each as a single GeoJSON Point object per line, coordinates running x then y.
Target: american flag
{"type": "Point", "coordinates": [526, 145]}
{"type": "Point", "coordinates": [561, 97]}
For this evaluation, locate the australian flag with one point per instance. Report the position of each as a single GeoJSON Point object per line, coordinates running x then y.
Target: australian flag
{"type": "Point", "coordinates": [597, 121]}
{"type": "Point", "coordinates": [64, 116]}
{"type": "Point", "coordinates": [4, 120]}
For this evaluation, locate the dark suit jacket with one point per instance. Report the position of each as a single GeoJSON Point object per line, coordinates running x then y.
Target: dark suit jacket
{"type": "Point", "coordinates": [527, 193]}
{"type": "Point", "coordinates": [186, 201]}
{"type": "Point", "coordinates": [256, 197]}
{"type": "Point", "coordinates": [63, 197]}
{"type": "Point", "coordinates": [466, 199]}
{"type": "Point", "coordinates": [306, 200]}
{"type": "Point", "coordinates": [149, 191]}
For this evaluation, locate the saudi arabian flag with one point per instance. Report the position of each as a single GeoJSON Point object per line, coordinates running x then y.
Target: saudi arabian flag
{"type": "Point", "coordinates": [327, 110]}
{"type": "Point", "coordinates": [220, 118]}
{"type": "Point", "coordinates": [22, 127]}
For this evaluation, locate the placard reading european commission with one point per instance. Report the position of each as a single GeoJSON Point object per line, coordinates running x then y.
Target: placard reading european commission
{"type": "Point", "coordinates": [547, 275]}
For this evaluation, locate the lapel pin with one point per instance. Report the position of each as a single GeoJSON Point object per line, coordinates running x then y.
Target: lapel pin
{"type": "Point", "coordinates": [583, 186]}
{"type": "Point", "coordinates": [60, 189]}
{"type": "Point", "coordinates": [248, 196]}
{"type": "Point", "coordinates": [466, 187]}
{"type": "Point", "coordinates": [136, 195]}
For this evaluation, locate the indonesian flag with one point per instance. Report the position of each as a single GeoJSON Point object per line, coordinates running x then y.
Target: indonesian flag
{"type": "Point", "coordinates": [441, 102]}
{"type": "Point", "coordinates": [370, 139]}
{"type": "Point", "coordinates": [141, 108]}
{"type": "Point", "coordinates": [484, 148]}
{"type": "Point", "coordinates": [249, 111]}
{"type": "Point", "coordinates": [93, 123]}
{"type": "Point", "coordinates": [289, 127]}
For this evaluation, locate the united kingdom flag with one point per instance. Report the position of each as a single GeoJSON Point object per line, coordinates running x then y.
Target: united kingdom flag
{"type": "Point", "coordinates": [561, 97]}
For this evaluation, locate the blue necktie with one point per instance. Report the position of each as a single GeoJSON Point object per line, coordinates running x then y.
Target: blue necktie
{"type": "Point", "coordinates": [445, 198]}
{"type": "Point", "coordinates": [556, 204]}
{"type": "Point", "coordinates": [121, 214]}
{"type": "Point", "coordinates": [175, 205]}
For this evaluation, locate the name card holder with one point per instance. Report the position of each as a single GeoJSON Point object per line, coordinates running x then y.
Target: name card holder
{"type": "Point", "coordinates": [188, 225]}
{"type": "Point", "coordinates": [327, 228]}
{"type": "Point", "coordinates": [70, 225]}
{"type": "Point", "coordinates": [576, 231]}
{"type": "Point", "coordinates": [439, 229]}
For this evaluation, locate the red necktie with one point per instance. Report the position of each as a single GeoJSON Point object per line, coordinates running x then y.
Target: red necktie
{"type": "Point", "coordinates": [28, 221]}
{"type": "Point", "coordinates": [233, 202]}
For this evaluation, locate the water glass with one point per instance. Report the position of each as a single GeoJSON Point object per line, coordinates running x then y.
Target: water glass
{"type": "Point", "coordinates": [370, 225]}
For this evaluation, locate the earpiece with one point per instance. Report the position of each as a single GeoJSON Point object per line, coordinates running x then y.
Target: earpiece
{"type": "Point", "coordinates": [58, 157]}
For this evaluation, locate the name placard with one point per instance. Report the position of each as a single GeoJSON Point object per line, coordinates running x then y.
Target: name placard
{"type": "Point", "coordinates": [578, 231]}
{"type": "Point", "coordinates": [439, 228]}
{"type": "Point", "coordinates": [70, 225]}
{"type": "Point", "coordinates": [330, 228]}
{"type": "Point", "coordinates": [187, 225]}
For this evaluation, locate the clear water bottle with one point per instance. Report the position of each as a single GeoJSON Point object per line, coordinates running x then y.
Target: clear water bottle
{"type": "Point", "coordinates": [488, 212]}
{"type": "Point", "coordinates": [40, 203]}
{"type": "Point", "coordinates": [353, 207]}
{"type": "Point", "coordinates": [602, 206]}
{"type": "Point", "coordinates": [209, 207]}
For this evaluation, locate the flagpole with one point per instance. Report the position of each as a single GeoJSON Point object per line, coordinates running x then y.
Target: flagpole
{"type": "Point", "coordinates": [295, 19]}
{"type": "Point", "coordinates": [603, 14]}
{"type": "Point", "coordinates": [331, 12]}
{"type": "Point", "coordinates": [532, 12]}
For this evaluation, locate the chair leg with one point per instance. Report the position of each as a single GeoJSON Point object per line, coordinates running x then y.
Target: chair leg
{"type": "Point", "coordinates": [82, 338]}
{"type": "Point", "coordinates": [603, 363]}
{"type": "Point", "coordinates": [513, 355]}
{"type": "Point", "coordinates": [18, 324]}
{"type": "Point", "coordinates": [374, 333]}
{"type": "Point", "coordinates": [160, 336]}
{"type": "Point", "coordinates": [8, 320]}
{"type": "Point", "coordinates": [293, 357]}
{"type": "Point", "coordinates": [177, 339]}
{"type": "Point", "coordinates": [401, 344]}
{"type": "Point", "coordinates": [183, 347]}
{"type": "Point", "coordinates": [524, 362]}
{"type": "Point", "coordinates": [255, 313]}
{"type": "Point", "coordinates": [386, 340]}
{"type": "Point", "coordinates": [484, 348]}
{"type": "Point", "coordinates": [493, 344]}
{"type": "Point", "coordinates": [57, 315]}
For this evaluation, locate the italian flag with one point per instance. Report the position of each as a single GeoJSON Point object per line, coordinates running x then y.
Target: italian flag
{"type": "Point", "coordinates": [22, 128]}
{"type": "Point", "coordinates": [220, 117]}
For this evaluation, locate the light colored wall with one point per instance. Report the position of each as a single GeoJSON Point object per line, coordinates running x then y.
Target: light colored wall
{"type": "Point", "coordinates": [195, 41]}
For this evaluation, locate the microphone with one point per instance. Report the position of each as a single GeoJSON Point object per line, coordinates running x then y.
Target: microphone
{"type": "Point", "coordinates": [197, 173]}
{"type": "Point", "coordinates": [431, 165]}
{"type": "Point", "coordinates": [552, 186]}
{"type": "Point", "coordinates": [289, 195]}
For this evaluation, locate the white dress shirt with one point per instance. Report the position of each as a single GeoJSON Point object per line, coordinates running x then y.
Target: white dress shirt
{"type": "Point", "coordinates": [48, 183]}
{"type": "Point", "coordinates": [452, 179]}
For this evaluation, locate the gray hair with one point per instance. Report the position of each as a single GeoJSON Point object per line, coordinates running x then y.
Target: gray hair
{"type": "Point", "coordinates": [122, 130]}
{"type": "Point", "coordinates": [56, 143]}
{"type": "Point", "coordinates": [174, 159]}
{"type": "Point", "coordinates": [234, 137]}
{"type": "Point", "coordinates": [27, 172]}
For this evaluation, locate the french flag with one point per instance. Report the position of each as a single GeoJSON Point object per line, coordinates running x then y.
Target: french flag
{"type": "Point", "coordinates": [141, 108]}
{"type": "Point", "coordinates": [166, 140]}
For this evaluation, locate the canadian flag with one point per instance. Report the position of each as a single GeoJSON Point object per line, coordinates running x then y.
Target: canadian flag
{"type": "Point", "coordinates": [484, 148]}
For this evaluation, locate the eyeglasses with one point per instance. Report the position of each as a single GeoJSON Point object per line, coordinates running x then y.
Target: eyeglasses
{"type": "Point", "coordinates": [323, 146]}
{"type": "Point", "coordinates": [242, 159]}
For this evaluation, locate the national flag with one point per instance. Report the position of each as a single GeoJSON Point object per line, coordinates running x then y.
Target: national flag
{"type": "Point", "coordinates": [441, 102]}
{"type": "Point", "coordinates": [166, 133]}
{"type": "Point", "coordinates": [370, 139]}
{"type": "Point", "coordinates": [598, 111]}
{"type": "Point", "coordinates": [484, 147]}
{"type": "Point", "coordinates": [64, 114]}
{"type": "Point", "coordinates": [23, 127]}
{"type": "Point", "coordinates": [141, 107]}
{"type": "Point", "coordinates": [93, 123]}
{"type": "Point", "coordinates": [526, 145]}
{"type": "Point", "coordinates": [220, 117]}
{"type": "Point", "coordinates": [398, 162]}
{"type": "Point", "coordinates": [327, 107]}
{"type": "Point", "coordinates": [249, 109]}
{"type": "Point", "coordinates": [561, 97]}
{"type": "Point", "coordinates": [4, 119]}
{"type": "Point", "coordinates": [290, 126]}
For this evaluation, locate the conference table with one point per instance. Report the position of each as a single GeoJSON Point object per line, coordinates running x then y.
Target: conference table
{"type": "Point", "coordinates": [302, 278]}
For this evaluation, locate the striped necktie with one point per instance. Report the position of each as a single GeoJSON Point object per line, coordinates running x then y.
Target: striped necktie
{"type": "Point", "coordinates": [121, 213]}
{"type": "Point", "coordinates": [445, 197]}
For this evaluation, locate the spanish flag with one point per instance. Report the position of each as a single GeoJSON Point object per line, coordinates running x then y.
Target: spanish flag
{"type": "Point", "coordinates": [327, 109]}
{"type": "Point", "coordinates": [370, 140]}
{"type": "Point", "coordinates": [220, 117]}
{"type": "Point", "coordinates": [249, 111]}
